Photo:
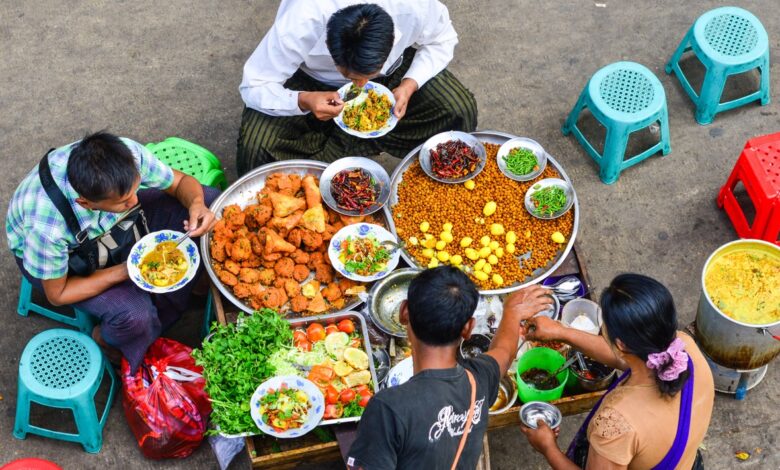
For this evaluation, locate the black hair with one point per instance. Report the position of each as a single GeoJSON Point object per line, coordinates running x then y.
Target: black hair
{"type": "Point", "coordinates": [639, 311]}
{"type": "Point", "coordinates": [101, 166]}
{"type": "Point", "coordinates": [360, 37]}
{"type": "Point", "coordinates": [441, 301]}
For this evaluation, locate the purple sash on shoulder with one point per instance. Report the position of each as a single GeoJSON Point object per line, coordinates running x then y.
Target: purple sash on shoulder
{"type": "Point", "coordinates": [578, 449]}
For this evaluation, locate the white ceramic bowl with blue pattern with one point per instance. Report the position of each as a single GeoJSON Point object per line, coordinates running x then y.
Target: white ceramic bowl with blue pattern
{"type": "Point", "coordinates": [316, 400]}
{"type": "Point", "coordinates": [362, 230]}
{"type": "Point", "coordinates": [380, 89]}
{"type": "Point", "coordinates": [400, 373]}
{"type": "Point", "coordinates": [145, 245]}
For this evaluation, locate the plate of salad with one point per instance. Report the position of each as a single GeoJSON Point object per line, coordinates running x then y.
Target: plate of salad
{"type": "Point", "coordinates": [287, 407]}
{"type": "Point", "coordinates": [358, 252]}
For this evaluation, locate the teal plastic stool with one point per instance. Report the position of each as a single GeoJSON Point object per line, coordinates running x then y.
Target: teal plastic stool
{"type": "Point", "coordinates": [63, 368]}
{"type": "Point", "coordinates": [80, 319]}
{"type": "Point", "coordinates": [624, 97]}
{"type": "Point", "coordinates": [191, 159]}
{"type": "Point", "coordinates": [726, 41]}
{"type": "Point", "coordinates": [207, 315]}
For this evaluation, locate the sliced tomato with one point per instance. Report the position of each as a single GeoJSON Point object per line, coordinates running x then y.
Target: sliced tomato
{"type": "Point", "coordinates": [333, 411]}
{"type": "Point", "coordinates": [347, 395]}
{"type": "Point", "coordinates": [315, 332]}
{"type": "Point", "coordinates": [331, 395]}
{"type": "Point", "coordinates": [355, 343]}
{"type": "Point", "coordinates": [347, 326]}
{"type": "Point", "coordinates": [299, 335]}
{"type": "Point", "coordinates": [361, 388]}
{"type": "Point", "coordinates": [331, 329]}
{"type": "Point", "coordinates": [303, 345]}
{"type": "Point", "coordinates": [365, 396]}
{"type": "Point", "coordinates": [321, 376]}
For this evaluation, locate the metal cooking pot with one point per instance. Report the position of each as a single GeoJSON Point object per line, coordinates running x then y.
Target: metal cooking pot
{"type": "Point", "coordinates": [729, 342]}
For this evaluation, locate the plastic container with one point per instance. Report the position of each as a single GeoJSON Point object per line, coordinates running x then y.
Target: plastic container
{"type": "Point", "coordinates": [586, 307]}
{"type": "Point", "coordinates": [545, 359]}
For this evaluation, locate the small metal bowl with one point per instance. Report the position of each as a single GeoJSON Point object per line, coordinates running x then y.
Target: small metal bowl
{"type": "Point", "coordinates": [474, 346]}
{"type": "Point", "coordinates": [381, 363]}
{"type": "Point", "coordinates": [525, 143]}
{"type": "Point", "coordinates": [532, 411]}
{"type": "Point", "coordinates": [384, 301]}
{"type": "Point", "coordinates": [604, 374]}
{"type": "Point", "coordinates": [508, 387]}
{"type": "Point", "coordinates": [567, 189]}
{"type": "Point", "coordinates": [378, 174]}
{"type": "Point", "coordinates": [554, 311]}
{"type": "Point", "coordinates": [468, 139]}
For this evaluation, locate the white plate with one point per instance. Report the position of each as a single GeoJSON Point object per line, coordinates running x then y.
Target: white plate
{"type": "Point", "coordinates": [361, 230]}
{"type": "Point", "coordinates": [145, 245]}
{"type": "Point", "coordinates": [400, 373]}
{"type": "Point", "coordinates": [316, 400]}
{"type": "Point", "coordinates": [382, 90]}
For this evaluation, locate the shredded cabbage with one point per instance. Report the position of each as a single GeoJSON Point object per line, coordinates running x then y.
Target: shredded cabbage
{"type": "Point", "coordinates": [283, 360]}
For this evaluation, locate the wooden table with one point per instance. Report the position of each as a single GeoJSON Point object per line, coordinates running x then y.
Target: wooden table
{"type": "Point", "coordinates": [265, 452]}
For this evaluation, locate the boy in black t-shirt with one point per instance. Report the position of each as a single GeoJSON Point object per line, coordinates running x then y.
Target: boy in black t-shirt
{"type": "Point", "coordinates": [419, 424]}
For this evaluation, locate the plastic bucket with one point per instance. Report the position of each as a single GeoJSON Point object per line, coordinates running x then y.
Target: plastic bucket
{"type": "Point", "coordinates": [578, 307]}
{"type": "Point", "coordinates": [545, 359]}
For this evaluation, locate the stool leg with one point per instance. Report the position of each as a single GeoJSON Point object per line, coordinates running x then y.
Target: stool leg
{"type": "Point", "coordinates": [87, 423]}
{"type": "Point", "coordinates": [571, 119]}
{"type": "Point", "coordinates": [765, 82]}
{"type": "Point", "coordinates": [709, 96]}
{"type": "Point", "coordinates": [665, 136]}
{"type": "Point", "coordinates": [614, 152]}
{"type": "Point", "coordinates": [22, 421]}
{"type": "Point", "coordinates": [681, 48]}
{"type": "Point", "coordinates": [207, 314]}
{"type": "Point", "coordinates": [25, 297]}
{"type": "Point", "coordinates": [84, 321]}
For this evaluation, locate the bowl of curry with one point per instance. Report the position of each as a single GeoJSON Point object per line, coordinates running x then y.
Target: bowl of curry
{"type": "Point", "coordinates": [157, 265]}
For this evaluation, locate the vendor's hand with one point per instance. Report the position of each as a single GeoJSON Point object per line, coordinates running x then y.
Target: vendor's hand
{"type": "Point", "coordinates": [543, 439]}
{"type": "Point", "coordinates": [402, 93]}
{"type": "Point", "coordinates": [201, 220]}
{"type": "Point", "coordinates": [543, 328]}
{"type": "Point", "coordinates": [527, 302]}
{"type": "Point", "coordinates": [324, 105]}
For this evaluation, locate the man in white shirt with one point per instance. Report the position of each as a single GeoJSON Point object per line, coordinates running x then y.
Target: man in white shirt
{"type": "Point", "coordinates": [316, 46]}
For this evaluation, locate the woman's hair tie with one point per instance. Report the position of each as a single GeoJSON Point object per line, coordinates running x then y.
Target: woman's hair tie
{"type": "Point", "coordinates": [671, 363]}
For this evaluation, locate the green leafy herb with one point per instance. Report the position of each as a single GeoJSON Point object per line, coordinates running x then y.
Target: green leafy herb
{"type": "Point", "coordinates": [235, 362]}
{"type": "Point", "coordinates": [353, 408]}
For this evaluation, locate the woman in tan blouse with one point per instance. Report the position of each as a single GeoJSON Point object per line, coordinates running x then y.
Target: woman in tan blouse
{"type": "Point", "coordinates": [658, 412]}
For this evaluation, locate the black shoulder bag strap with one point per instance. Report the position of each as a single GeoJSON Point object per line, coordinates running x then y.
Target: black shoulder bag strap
{"type": "Point", "coordinates": [59, 200]}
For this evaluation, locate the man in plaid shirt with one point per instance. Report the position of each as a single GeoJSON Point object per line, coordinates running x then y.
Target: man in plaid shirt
{"type": "Point", "coordinates": [100, 177]}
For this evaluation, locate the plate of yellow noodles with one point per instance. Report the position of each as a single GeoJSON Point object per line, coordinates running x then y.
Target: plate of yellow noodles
{"type": "Point", "coordinates": [370, 115]}
{"type": "Point", "coordinates": [157, 265]}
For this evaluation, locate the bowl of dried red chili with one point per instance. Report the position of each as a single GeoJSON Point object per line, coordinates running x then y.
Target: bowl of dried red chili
{"type": "Point", "coordinates": [355, 186]}
{"type": "Point", "coordinates": [452, 157]}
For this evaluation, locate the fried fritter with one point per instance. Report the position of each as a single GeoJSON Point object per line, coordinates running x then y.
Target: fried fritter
{"type": "Point", "coordinates": [232, 266]}
{"type": "Point", "coordinates": [267, 276]}
{"type": "Point", "coordinates": [300, 272]}
{"type": "Point", "coordinates": [249, 275]}
{"type": "Point", "coordinates": [300, 257]}
{"type": "Point", "coordinates": [284, 267]}
{"type": "Point", "coordinates": [299, 303]}
{"type": "Point", "coordinates": [331, 292]}
{"type": "Point", "coordinates": [312, 240]}
{"type": "Point", "coordinates": [241, 249]}
{"type": "Point", "coordinates": [323, 273]}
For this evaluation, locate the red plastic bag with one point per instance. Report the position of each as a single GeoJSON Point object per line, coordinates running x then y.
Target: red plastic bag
{"type": "Point", "coordinates": [165, 402]}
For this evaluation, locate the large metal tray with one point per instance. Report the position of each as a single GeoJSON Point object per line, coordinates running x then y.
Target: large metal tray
{"type": "Point", "coordinates": [498, 138]}
{"type": "Point", "coordinates": [243, 192]}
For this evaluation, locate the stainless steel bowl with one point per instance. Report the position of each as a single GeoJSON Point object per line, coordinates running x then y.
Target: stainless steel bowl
{"type": "Point", "coordinates": [567, 189]}
{"type": "Point", "coordinates": [378, 174]}
{"type": "Point", "coordinates": [468, 139]}
{"type": "Point", "coordinates": [533, 411]}
{"type": "Point", "coordinates": [603, 374]}
{"type": "Point", "coordinates": [525, 143]}
{"type": "Point", "coordinates": [384, 301]}
{"type": "Point", "coordinates": [474, 346]}
{"type": "Point", "coordinates": [554, 311]}
{"type": "Point", "coordinates": [508, 387]}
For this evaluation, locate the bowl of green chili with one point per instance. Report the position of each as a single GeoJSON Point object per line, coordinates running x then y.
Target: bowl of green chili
{"type": "Point", "coordinates": [521, 159]}
{"type": "Point", "coordinates": [550, 198]}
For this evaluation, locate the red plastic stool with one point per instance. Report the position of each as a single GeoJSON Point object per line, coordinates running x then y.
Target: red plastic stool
{"type": "Point", "coordinates": [31, 464]}
{"type": "Point", "coordinates": [758, 168]}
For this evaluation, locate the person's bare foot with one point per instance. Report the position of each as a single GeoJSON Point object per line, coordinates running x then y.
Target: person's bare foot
{"type": "Point", "coordinates": [113, 354]}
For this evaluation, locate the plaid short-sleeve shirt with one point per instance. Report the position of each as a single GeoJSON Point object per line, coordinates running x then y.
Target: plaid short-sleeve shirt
{"type": "Point", "coordinates": [37, 232]}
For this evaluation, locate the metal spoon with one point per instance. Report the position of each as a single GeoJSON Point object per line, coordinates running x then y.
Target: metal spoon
{"type": "Point", "coordinates": [352, 93]}
{"type": "Point", "coordinates": [566, 285]}
{"type": "Point", "coordinates": [565, 366]}
{"type": "Point", "coordinates": [581, 362]}
{"type": "Point", "coordinates": [393, 246]}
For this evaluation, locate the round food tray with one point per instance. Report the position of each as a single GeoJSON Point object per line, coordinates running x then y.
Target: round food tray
{"type": "Point", "coordinates": [243, 192]}
{"type": "Point", "coordinates": [497, 138]}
